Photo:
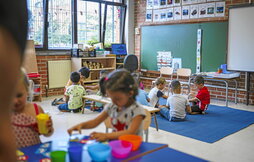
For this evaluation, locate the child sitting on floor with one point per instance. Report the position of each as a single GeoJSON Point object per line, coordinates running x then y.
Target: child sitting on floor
{"type": "Point", "coordinates": [177, 104]}
{"type": "Point", "coordinates": [125, 114]}
{"type": "Point", "coordinates": [202, 99]}
{"type": "Point", "coordinates": [24, 115]}
{"type": "Point", "coordinates": [156, 92]}
{"type": "Point", "coordinates": [74, 95]}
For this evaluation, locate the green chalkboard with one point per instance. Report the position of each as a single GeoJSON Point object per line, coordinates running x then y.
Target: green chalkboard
{"type": "Point", "coordinates": [181, 40]}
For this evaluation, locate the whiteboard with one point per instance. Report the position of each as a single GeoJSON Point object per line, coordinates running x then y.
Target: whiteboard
{"type": "Point", "coordinates": [240, 56]}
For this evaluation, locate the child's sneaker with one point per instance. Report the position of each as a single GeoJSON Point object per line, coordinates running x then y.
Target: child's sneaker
{"type": "Point", "coordinates": [203, 112]}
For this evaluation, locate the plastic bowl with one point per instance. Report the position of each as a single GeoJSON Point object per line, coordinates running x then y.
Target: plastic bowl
{"type": "Point", "coordinates": [120, 149]}
{"type": "Point", "coordinates": [99, 151]}
{"type": "Point", "coordinates": [135, 140]}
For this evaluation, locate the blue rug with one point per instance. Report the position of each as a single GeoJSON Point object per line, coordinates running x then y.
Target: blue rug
{"type": "Point", "coordinates": [216, 124]}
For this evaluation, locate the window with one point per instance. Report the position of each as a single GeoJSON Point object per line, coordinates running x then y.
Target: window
{"type": "Point", "coordinates": [60, 25]}
{"type": "Point", "coordinates": [88, 22]}
{"type": "Point", "coordinates": [35, 21]}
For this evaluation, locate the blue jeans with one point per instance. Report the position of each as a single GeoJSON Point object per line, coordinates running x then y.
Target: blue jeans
{"type": "Point", "coordinates": [165, 113]}
{"type": "Point", "coordinates": [66, 108]}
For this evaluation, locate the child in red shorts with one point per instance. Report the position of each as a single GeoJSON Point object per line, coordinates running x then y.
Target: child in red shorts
{"type": "Point", "coordinates": [202, 99]}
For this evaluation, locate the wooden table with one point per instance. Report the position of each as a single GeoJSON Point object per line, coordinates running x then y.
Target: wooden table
{"type": "Point", "coordinates": [106, 100]}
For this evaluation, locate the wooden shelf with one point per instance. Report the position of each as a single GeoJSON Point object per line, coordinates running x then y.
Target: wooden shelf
{"type": "Point", "coordinates": [119, 63]}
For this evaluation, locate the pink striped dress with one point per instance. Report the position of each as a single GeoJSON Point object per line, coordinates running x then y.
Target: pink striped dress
{"type": "Point", "coordinates": [26, 129]}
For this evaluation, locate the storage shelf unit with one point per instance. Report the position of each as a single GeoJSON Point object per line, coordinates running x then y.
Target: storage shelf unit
{"type": "Point", "coordinates": [95, 64]}
{"type": "Point", "coordinates": [36, 88]}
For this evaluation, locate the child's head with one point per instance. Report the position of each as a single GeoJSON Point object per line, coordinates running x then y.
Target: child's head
{"type": "Point", "coordinates": [199, 81]}
{"type": "Point", "coordinates": [84, 72]}
{"type": "Point", "coordinates": [75, 77]}
{"type": "Point", "coordinates": [160, 83]}
{"type": "Point", "coordinates": [120, 86]}
{"type": "Point", "coordinates": [103, 73]}
{"type": "Point", "coordinates": [176, 86]}
{"type": "Point", "coordinates": [21, 92]}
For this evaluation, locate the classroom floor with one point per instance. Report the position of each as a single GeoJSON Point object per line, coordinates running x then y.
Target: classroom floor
{"type": "Point", "coordinates": [235, 147]}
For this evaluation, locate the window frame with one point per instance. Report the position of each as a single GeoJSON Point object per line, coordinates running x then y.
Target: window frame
{"type": "Point", "coordinates": [74, 22]}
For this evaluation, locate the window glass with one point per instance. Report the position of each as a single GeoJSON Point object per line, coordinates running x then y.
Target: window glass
{"type": "Point", "coordinates": [60, 25]}
{"type": "Point", "coordinates": [88, 22]}
{"type": "Point", "coordinates": [35, 21]}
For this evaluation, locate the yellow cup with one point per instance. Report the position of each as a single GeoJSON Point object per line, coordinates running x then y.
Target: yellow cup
{"type": "Point", "coordinates": [42, 123]}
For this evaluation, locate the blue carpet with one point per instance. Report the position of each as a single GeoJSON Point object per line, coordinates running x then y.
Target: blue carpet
{"type": "Point", "coordinates": [216, 124]}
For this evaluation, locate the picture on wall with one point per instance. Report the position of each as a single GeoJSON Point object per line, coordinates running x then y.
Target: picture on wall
{"type": "Point", "coordinates": [156, 4]}
{"type": "Point", "coordinates": [163, 3]}
{"type": "Point", "coordinates": [220, 9]}
{"type": "Point", "coordinates": [194, 11]}
{"type": "Point", "coordinates": [156, 15]}
{"type": "Point", "coordinates": [149, 4]}
{"type": "Point", "coordinates": [169, 14]}
{"type": "Point", "coordinates": [177, 13]}
{"type": "Point", "coordinates": [202, 10]}
{"type": "Point", "coordinates": [185, 2]}
{"type": "Point", "coordinates": [177, 2]}
{"type": "Point", "coordinates": [176, 64]}
{"type": "Point", "coordinates": [193, 1]}
{"type": "Point", "coordinates": [201, 1]}
{"type": "Point", "coordinates": [210, 9]}
{"type": "Point", "coordinates": [169, 3]}
{"type": "Point", "coordinates": [185, 12]}
{"type": "Point", "coordinates": [149, 15]}
{"type": "Point", "coordinates": [163, 14]}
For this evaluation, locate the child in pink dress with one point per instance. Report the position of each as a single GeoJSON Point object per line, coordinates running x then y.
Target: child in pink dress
{"type": "Point", "coordinates": [24, 117]}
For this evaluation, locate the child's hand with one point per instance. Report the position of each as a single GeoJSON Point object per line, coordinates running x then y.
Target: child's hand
{"type": "Point", "coordinates": [75, 128]}
{"type": "Point", "coordinates": [99, 136]}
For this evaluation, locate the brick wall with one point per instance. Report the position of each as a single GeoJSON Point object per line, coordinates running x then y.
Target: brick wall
{"type": "Point", "coordinates": [42, 61]}
{"type": "Point", "coordinates": [218, 93]}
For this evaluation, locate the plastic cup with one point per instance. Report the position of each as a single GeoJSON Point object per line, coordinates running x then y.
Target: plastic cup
{"type": "Point", "coordinates": [42, 123]}
{"type": "Point", "coordinates": [75, 153]}
{"type": "Point", "coordinates": [58, 156]}
{"type": "Point", "coordinates": [135, 140]}
{"type": "Point", "coordinates": [120, 149]}
{"type": "Point", "coordinates": [99, 151]}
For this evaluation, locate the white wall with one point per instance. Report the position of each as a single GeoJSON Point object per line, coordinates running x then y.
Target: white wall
{"type": "Point", "coordinates": [129, 27]}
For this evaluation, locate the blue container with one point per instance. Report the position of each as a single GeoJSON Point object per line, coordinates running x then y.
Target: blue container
{"type": "Point", "coordinates": [75, 153]}
{"type": "Point", "coordinates": [99, 151]}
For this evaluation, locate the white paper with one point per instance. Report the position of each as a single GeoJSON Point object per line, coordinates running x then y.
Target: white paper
{"type": "Point", "coordinates": [193, 1]}
{"type": "Point", "coordinates": [194, 11]}
{"type": "Point", "coordinates": [176, 64]}
{"type": "Point", "coordinates": [164, 59]}
{"type": "Point", "coordinates": [149, 4]}
{"type": "Point", "coordinates": [210, 9]}
{"type": "Point", "coordinates": [220, 9]}
{"type": "Point", "coordinates": [163, 15]}
{"type": "Point", "coordinates": [156, 4]}
{"type": "Point", "coordinates": [170, 13]}
{"type": "Point", "coordinates": [202, 10]}
{"type": "Point", "coordinates": [176, 2]}
{"type": "Point", "coordinates": [185, 2]}
{"type": "Point", "coordinates": [156, 15]}
{"type": "Point", "coordinates": [185, 12]}
{"type": "Point", "coordinates": [201, 1]}
{"type": "Point", "coordinates": [149, 15]}
{"type": "Point", "coordinates": [177, 13]}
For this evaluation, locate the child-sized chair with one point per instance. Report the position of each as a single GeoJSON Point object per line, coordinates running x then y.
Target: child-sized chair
{"type": "Point", "coordinates": [165, 71]}
{"type": "Point", "coordinates": [184, 72]}
{"type": "Point", "coordinates": [146, 124]}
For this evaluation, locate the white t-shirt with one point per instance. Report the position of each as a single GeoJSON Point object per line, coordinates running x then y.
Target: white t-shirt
{"type": "Point", "coordinates": [154, 95]}
{"type": "Point", "coordinates": [177, 104]}
{"type": "Point", "coordinates": [122, 120]}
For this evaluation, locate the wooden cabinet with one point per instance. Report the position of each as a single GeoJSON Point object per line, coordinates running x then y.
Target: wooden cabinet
{"type": "Point", "coordinates": [119, 61]}
{"type": "Point", "coordinates": [95, 64]}
{"type": "Point", "coordinates": [35, 88]}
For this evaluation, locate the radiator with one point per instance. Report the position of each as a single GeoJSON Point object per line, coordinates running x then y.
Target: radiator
{"type": "Point", "coordinates": [58, 73]}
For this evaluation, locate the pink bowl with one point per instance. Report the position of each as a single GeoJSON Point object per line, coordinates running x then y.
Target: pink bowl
{"type": "Point", "coordinates": [120, 149]}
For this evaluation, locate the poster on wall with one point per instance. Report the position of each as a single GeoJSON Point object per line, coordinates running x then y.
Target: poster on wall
{"type": "Point", "coordinates": [193, 11]}
{"type": "Point", "coordinates": [176, 64]}
{"type": "Point", "coordinates": [185, 12]}
{"type": "Point", "coordinates": [176, 2]}
{"type": "Point", "coordinates": [156, 4]}
{"type": "Point", "coordinates": [149, 15]}
{"type": "Point", "coordinates": [220, 9]}
{"type": "Point", "coordinates": [199, 40]}
{"type": "Point", "coordinates": [201, 1]}
{"type": "Point", "coordinates": [193, 1]}
{"type": "Point", "coordinates": [210, 9]}
{"type": "Point", "coordinates": [149, 4]}
{"type": "Point", "coordinates": [164, 59]}
{"type": "Point", "coordinates": [156, 15]}
{"type": "Point", "coordinates": [170, 14]}
{"type": "Point", "coordinates": [169, 3]}
{"type": "Point", "coordinates": [163, 15]}
{"type": "Point", "coordinates": [177, 13]}
{"type": "Point", "coordinates": [163, 3]}
{"type": "Point", "coordinates": [202, 10]}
